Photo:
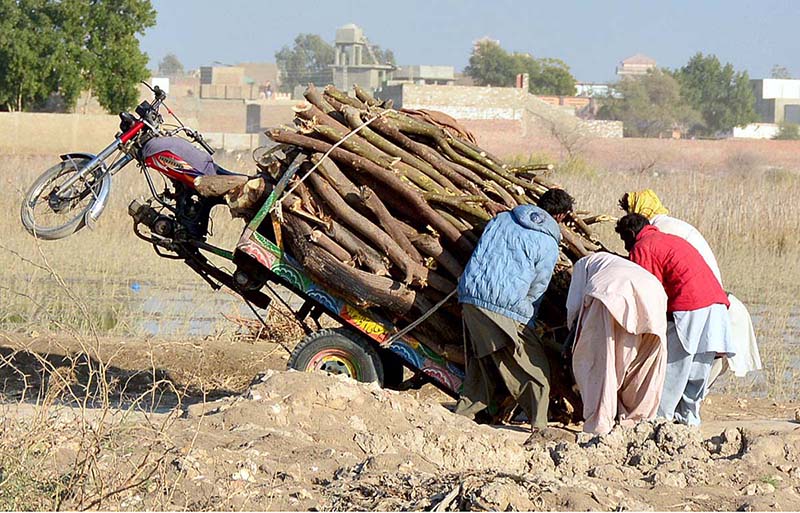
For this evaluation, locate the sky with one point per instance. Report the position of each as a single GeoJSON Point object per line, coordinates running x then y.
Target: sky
{"type": "Point", "coordinates": [590, 36]}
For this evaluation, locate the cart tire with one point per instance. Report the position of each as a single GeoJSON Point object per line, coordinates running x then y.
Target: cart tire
{"type": "Point", "coordinates": [337, 352]}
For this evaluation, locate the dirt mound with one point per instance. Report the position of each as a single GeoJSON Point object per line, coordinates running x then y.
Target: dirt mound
{"type": "Point", "coordinates": [327, 442]}
{"type": "Point", "coordinates": [301, 441]}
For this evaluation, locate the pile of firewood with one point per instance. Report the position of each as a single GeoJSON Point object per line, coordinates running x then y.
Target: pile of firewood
{"type": "Point", "coordinates": [390, 217]}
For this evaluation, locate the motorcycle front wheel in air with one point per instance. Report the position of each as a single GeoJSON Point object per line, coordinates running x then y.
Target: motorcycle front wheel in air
{"type": "Point", "coordinates": [51, 213]}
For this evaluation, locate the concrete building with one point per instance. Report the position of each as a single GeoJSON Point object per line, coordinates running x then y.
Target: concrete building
{"type": "Point", "coordinates": [634, 65]}
{"type": "Point", "coordinates": [777, 100]}
{"type": "Point", "coordinates": [226, 83]}
{"type": "Point", "coordinates": [753, 131]}
{"type": "Point", "coordinates": [590, 90]}
{"type": "Point", "coordinates": [422, 75]}
{"type": "Point", "coordinates": [260, 73]}
{"type": "Point", "coordinates": [355, 61]}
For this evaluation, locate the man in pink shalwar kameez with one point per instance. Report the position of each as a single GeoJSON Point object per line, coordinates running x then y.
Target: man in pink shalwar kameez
{"type": "Point", "coordinates": [620, 349]}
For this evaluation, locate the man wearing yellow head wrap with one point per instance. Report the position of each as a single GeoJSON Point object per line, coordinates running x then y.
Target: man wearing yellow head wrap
{"type": "Point", "coordinates": [646, 203]}
{"type": "Point", "coordinates": [747, 358]}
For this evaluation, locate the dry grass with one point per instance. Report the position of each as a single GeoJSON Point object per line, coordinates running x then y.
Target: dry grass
{"type": "Point", "coordinates": [99, 266]}
{"type": "Point", "coordinates": [750, 219]}
{"type": "Point", "coordinates": [745, 207]}
{"type": "Point", "coordinates": [81, 287]}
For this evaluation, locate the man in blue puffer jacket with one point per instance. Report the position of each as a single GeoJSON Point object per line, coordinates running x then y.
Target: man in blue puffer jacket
{"type": "Point", "coordinates": [500, 291]}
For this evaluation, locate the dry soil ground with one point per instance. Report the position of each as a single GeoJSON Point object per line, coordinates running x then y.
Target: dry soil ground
{"type": "Point", "coordinates": [245, 434]}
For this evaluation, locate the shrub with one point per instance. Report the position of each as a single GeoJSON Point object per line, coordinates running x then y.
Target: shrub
{"type": "Point", "coordinates": [788, 132]}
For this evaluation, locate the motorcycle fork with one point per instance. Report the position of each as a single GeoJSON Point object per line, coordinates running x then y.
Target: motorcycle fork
{"type": "Point", "coordinates": [98, 160]}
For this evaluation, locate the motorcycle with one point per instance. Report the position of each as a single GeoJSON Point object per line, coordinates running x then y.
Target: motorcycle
{"type": "Point", "coordinates": [73, 194]}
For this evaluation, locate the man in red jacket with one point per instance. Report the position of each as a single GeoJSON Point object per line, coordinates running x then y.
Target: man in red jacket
{"type": "Point", "coordinates": [698, 326]}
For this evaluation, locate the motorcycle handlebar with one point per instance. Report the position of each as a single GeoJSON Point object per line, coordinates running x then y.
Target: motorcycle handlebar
{"type": "Point", "coordinates": [199, 138]}
{"type": "Point", "coordinates": [159, 93]}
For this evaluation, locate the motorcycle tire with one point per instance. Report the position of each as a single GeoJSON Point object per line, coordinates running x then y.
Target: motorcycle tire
{"type": "Point", "coordinates": [74, 212]}
{"type": "Point", "coordinates": [337, 352]}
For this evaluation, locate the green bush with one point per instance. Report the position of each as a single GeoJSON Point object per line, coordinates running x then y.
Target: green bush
{"type": "Point", "coordinates": [788, 132]}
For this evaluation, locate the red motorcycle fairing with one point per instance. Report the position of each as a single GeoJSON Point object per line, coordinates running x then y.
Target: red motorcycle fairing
{"type": "Point", "coordinates": [177, 159]}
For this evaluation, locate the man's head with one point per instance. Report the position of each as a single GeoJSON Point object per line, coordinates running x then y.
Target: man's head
{"type": "Point", "coordinates": [629, 227]}
{"type": "Point", "coordinates": [556, 202]}
{"type": "Point", "coordinates": [645, 202]}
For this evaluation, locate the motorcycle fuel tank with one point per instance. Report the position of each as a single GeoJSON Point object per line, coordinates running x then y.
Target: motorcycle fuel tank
{"type": "Point", "coordinates": [178, 159]}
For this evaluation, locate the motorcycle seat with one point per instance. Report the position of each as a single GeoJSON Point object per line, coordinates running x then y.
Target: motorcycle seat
{"type": "Point", "coordinates": [224, 172]}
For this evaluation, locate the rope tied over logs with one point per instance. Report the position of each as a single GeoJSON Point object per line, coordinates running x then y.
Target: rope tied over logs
{"type": "Point", "coordinates": [279, 202]}
{"type": "Point", "coordinates": [408, 329]}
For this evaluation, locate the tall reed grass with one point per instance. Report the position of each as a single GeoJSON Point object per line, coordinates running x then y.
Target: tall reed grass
{"type": "Point", "coordinates": [751, 218]}
{"type": "Point", "coordinates": [752, 222]}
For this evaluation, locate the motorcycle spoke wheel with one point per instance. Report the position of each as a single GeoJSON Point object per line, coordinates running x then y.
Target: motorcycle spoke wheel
{"type": "Point", "coordinates": [51, 212]}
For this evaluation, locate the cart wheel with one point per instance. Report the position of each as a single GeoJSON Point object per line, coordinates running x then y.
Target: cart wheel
{"type": "Point", "coordinates": [337, 352]}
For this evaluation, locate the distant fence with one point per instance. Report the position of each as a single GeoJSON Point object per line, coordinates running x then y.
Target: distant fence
{"type": "Point", "coordinates": [27, 133]}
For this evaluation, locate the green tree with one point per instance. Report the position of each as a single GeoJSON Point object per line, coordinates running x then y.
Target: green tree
{"type": "Point", "coordinates": [722, 95]}
{"type": "Point", "coordinates": [788, 132]}
{"type": "Point", "coordinates": [59, 47]}
{"type": "Point", "coordinates": [649, 106]}
{"type": "Point", "coordinates": [383, 55]}
{"type": "Point", "coordinates": [779, 71]}
{"type": "Point", "coordinates": [307, 61]}
{"type": "Point", "coordinates": [114, 63]}
{"type": "Point", "coordinates": [34, 55]}
{"type": "Point", "coordinates": [490, 64]}
{"type": "Point", "coordinates": [553, 77]}
{"type": "Point", "coordinates": [170, 65]}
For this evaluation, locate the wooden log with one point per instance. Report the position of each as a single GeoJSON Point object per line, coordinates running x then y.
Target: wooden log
{"type": "Point", "coordinates": [582, 226]}
{"type": "Point", "coordinates": [440, 120]}
{"type": "Point", "coordinates": [389, 223]}
{"type": "Point", "coordinates": [384, 177]}
{"type": "Point", "coordinates": [334, 132]}
{"type": "Point", "coordinates": [528, 168]}
{"type": "Point", "coordinates": [599, 218]}
{"type": "Point", "coordinates": [489, 187]}
{"type": "Point", "coordinates": [359, 288]}
{"type": "Point", "coordinates": [424, 152]}
{"type": "Point", "coordinates": [335, 104]}
{"type": "Point", "coordinates": [353, 118]}
{"type": "Point", "coordinates": [211, 186]}
{"type": "Point", "coordinates": [364, 96]}
{"type": "Point", "coordinates": [429, 245]}
{"type": "Point", "coordinates": [411, 270]}
{"type": "Point", "coordinates": [461, 203]}
{"type": "Point", "coordinates": [464, 228]}
{"type": "Point", "coordinates": [573, 242]}
{"type": "Point", "coordinates": [362, 148]}
{"type": "Point", "coordinates": [313, 114]}
{"type": "Point", "coordinates": [493, 158]}
{"type": "Point", "coordinates": [465, 155]}
{"type": "Point", "coordinates": [314, 97]}
{"type": "Point", "coordinates": [365, 200]}
{"type": "Point", "coordinates": [344, 98]}
{"type": "Point", "coordinates": [363, 254]}
{"type": "Point", "coordinates": [320, 239]}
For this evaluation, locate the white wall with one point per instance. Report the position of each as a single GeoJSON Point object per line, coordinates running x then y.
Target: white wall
{"type": "Point", "coordinates": [781, 89]}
